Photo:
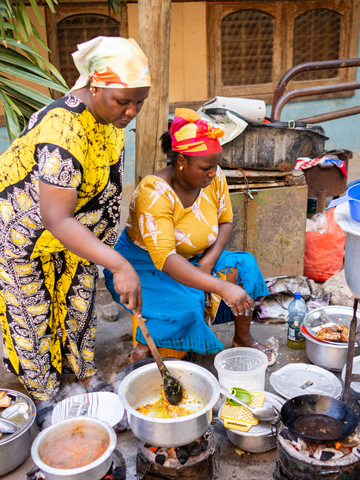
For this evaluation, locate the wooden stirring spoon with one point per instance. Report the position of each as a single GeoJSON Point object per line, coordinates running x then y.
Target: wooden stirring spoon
{"type": "Point", "coordinates": [172, 387]}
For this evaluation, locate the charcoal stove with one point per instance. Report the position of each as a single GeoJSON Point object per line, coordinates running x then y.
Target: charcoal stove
{"type": "Point", "coordinates": [194, 461]}
{"type": "Point", "coordinates": [300, 460]}
{"type": "Point", "coordinates": [117, 470]}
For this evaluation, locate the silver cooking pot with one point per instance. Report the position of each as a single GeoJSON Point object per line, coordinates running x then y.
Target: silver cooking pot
{"type": "Point", "coordinates": [327, 355]}
{"type": "Point", "coordinates": [15, 448]}
{"type": "Point", "coordinates": [146, 382]}
{"type": "Point", "coordinates": [95, 470]}
{"type": "Point", "coordinates": [261, 437]}
{"type": "Point", "coordinates": [352, 263]}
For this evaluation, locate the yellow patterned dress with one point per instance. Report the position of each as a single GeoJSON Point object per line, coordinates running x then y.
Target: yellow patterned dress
{"type": "Point", "coordinates": [47, 293]}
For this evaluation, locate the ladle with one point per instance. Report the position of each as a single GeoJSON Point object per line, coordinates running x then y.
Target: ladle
{"type": "Point", "coordinates": [172, 387]}
{"type": "Point", "coordinates": [263, 414]}
{"type": "Point", "coordinates": [7, 427]}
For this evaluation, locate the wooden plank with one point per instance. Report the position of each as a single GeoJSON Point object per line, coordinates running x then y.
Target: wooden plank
{"type": "Point", "coordinates": [257, 185]}
{"type": "Point", "coordinates": [154, 19]}
{"type": "Point", "coordinates": [256, 173]}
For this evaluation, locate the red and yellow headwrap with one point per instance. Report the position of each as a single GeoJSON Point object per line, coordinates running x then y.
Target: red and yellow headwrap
{"type": "Point", "coordinates": [190, 135]}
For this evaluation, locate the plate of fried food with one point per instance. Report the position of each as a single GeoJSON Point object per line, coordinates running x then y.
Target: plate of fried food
{"type": "Point", "coordinates": [330, 324]}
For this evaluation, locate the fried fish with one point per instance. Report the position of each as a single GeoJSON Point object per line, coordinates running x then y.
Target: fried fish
{"type": "Point", "coordinates": [336, 333]}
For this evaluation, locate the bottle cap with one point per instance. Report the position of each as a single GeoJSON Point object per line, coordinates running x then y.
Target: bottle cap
{"type": "Point", "coordinates": [297, 295]}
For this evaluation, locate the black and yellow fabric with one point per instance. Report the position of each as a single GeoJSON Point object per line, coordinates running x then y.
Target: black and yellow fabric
{"type": "Point", "coordinates": [47, 293]}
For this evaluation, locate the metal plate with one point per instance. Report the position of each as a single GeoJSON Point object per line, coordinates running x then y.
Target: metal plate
{"type": "Point", "coordinates": [262, 428]}
{"type": "Point", "coordinates": [335, 313]}
{"type": "Point", "coordinates": [105, 406]}
{"type": "Point", "coordinates": [301, 379]}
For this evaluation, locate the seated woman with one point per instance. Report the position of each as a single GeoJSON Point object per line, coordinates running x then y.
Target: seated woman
{"type": "Point", "coordinates": [180, 219]}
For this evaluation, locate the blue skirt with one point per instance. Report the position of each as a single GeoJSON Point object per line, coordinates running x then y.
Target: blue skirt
{"type": "Point", "coordinates": [174, 312]}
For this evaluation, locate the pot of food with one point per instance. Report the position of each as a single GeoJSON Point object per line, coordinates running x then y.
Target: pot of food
{"type": "Point", "coordinates": [78, 448]}
{"type": "Point", "coordinates": [154, 421]}
{"type": "Point", "coordinates": [328, 354]}
{"type": "Point", "coordinates": [15, 447]}
{"type": "Point", "coordinates": [318, 418]}
{"type": "Point", "coordinates": [261, 437]}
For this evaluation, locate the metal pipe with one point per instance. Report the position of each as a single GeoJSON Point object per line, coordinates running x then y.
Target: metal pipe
{"type": "Point", "coordinates": [304, 92]}
{"type": "Point", "coordinates": [306, 67]}
{"type": "Point", "coordinates": [350, 354]}
{"type": "Point", "coordinates": [325, 117]}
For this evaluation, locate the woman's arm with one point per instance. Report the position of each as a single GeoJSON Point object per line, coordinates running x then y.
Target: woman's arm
{"type": "Point", "coordinates": [179, 269]}
{"type": "Point", "coordinates": [57, 206]}
{"type": "Point", "coordinates": [212, 254]}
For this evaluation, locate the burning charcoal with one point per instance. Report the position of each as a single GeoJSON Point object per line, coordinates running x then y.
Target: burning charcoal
{"type": "Point", "coordinates": [160, 459]}
{"type": "Point", "coordinates": [204, 444]}
{"type": "Point", "coordinates": [335, 453]}
{"type": "Point", "coordinates": [326, 455]}
{"type": "Point", "coordinates": [288, 435]}
{"type": "Point", "coordinates": [195, 450]}
{"type": "Point", "coordinates": [147, 445]}
{"type": "Point", "coordinates": [182, 455]}
{"type": "Point", "coordinates": [35, 474]}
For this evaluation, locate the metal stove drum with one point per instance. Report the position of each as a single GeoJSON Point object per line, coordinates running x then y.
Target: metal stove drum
{"type": "Point", "coordinates": [196, 460]}
{"type": "Point", "coordinates": [300, 460]}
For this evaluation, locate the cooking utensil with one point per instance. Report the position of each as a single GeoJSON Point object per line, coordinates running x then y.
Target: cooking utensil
{"type": "Point", "coordinates": [144, 385]}
{"type": "Point", "coordinates": [321, 409]}
{"type": "Point", "coordinates": [297, 379]}
{"type": "Point", "coordinates": [260, 438]}
{"type": "Point", "coordinates": [263, 413]}
{"type": "Point", "coordinates": [172, 387]}
{"type": "Point", "coordinates": [7, 427]}
{"type": "Point", "coordinates": [15, 447]}
{"type": "Point", "coordinates": [331, 356]}
{"type": "Point", "coordinates": [94, 470]}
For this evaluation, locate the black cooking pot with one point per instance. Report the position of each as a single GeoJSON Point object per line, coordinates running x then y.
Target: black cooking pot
{"type": "Point", "coordinates": [318, 418]}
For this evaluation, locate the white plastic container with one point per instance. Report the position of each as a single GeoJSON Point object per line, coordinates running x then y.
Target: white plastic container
{"type": "Point", "coordinates": [241, 367]}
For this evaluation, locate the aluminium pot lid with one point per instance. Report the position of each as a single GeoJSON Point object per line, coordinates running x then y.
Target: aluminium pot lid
{"type": "Point", "coordinates": [105, 406]}
{"type": "Point", "coordinates": [304, 379]}
{"type": "Point", "coordinates": [262, 429]}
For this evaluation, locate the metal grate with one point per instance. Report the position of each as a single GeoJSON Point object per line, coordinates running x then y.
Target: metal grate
{"type": "Point", "coordinates": [247, 48]}
{"type": "Point", "coordinates": [317, 38]}
{"type": "Point", "coordinates": [78, 29]}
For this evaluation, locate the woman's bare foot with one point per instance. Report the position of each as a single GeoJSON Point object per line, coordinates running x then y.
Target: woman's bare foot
{"type": "Point", "coordinates": [139, 352]}
{"type": "Point", "coordinates": [251, 343]}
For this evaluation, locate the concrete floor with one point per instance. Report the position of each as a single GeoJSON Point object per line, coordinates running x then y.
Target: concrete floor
{"type": "Point", "coordinates": [113, 344]}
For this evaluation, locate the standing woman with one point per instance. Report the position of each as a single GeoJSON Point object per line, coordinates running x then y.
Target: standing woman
{"type": "Point", "coordinates": [60, 196]}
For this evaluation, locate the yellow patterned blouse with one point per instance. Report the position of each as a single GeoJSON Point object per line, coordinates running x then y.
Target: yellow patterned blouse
{"type": "Point", "coordinates": [160, 224]}
{"type": "Point", "coordinates": [65, 147]}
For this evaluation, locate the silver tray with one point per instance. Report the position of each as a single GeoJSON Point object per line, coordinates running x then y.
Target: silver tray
{"type": "Point", "coordinates": [335, 313]}
{"type": "Point", "coordinates": [301, 378]}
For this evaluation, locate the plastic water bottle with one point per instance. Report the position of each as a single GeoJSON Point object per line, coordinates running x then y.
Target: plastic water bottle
{"type": "Point", "coordinates": [297, 312]}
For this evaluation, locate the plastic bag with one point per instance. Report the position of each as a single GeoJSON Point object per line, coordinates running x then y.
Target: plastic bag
{"type": "Point", "coordinates": [324, 247]}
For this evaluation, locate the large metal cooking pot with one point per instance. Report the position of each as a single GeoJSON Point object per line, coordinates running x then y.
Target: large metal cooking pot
{"type": "Point", "coordinates": [146, 382]}
{"type": "Point", "coordinates": [327, 355]}
{"type": "Point", "coordinates": [352, 263]}
{"type": "Point", "coordinates": [95, 470]}
{"type": "Point", "coordinates": [260, 438]}
{"type": "Point", "coordinates": [15, 448]}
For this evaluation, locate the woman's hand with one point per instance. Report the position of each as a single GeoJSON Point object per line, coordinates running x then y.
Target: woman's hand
{"type": "Point", "coordinates": [127, 285]}
{"type": "Point", "coordinates": [238, 300]}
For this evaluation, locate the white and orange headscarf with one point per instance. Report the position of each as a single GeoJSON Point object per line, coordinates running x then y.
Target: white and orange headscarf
{"type": "Point", "coordinates": [190, 135]}
{"type": "Point", "coordinates": [111, 62]}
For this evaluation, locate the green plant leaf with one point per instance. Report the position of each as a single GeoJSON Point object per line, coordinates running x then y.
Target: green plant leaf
{"type": "Point", "coordinates": [24, 74]}
{"type": "Point", "coordinates": [20, 96]}
{"type": "Point", "coordinates": [36, 11]}
{"type": "Point", "coordinates": [28, 91]}
{"type": "Point", "coordinates": [25, 17]}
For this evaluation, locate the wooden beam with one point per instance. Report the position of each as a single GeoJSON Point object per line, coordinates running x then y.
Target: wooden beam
{"type": "Point", "coordinates": [154, 20]}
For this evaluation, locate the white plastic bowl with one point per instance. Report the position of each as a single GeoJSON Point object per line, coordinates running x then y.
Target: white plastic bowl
{"type": "Point", "coordinates": [241, 367]}
{"type": "Point", "coordinates": [355, 386]}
